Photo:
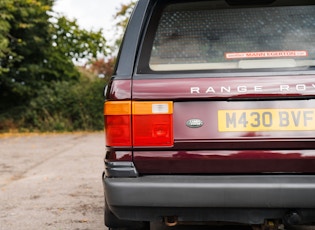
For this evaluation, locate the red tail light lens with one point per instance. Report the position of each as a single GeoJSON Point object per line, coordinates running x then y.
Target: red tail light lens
{"type": "Point", "coordinates": [118, 123]}
{"type": "Point", "coordinates": [152, 123]}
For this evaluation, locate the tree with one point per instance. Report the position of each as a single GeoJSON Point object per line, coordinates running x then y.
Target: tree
{"type": "Point", "coordinates": [76, 43]}
{"type": "Point", "coordinates": [4, 29]}
{"type": "Point", "coordinates": [37, 47]}
{"type": "Point", "coordinates": [40, 86]}
{"type": "Point", "coordinates": [105, 66]}
{"type": "Point", "coordinates": [25, 41]}
{"type": "Point", "coordinates": [121, 19]}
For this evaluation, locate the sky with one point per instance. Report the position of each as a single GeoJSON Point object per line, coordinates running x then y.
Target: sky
{"type": "Point", "coordinates": [91, 14]}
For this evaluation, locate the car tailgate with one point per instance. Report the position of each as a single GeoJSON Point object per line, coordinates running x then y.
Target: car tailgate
{"type": "Point", "coordinates": [246, 124]}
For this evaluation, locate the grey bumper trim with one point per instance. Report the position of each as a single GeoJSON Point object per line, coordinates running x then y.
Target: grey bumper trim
{"type": "Point", "coordinates": [120, 169]}
{"type": "Point", "coordinates": [270, 191]}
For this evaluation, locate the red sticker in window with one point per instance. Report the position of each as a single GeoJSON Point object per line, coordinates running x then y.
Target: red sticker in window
{"type": "Point", "coordinates": [267, 54]}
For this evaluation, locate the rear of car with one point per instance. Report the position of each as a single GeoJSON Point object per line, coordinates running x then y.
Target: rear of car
{"type": "Point", "coordinates": [210, 114]}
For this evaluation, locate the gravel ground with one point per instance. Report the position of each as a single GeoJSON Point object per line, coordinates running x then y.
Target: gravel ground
{"type": "Point", "coordinates": [51, 181]}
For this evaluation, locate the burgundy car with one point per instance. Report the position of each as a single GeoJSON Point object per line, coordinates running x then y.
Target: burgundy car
{"type": "Point", "coordinates": [210, 115]}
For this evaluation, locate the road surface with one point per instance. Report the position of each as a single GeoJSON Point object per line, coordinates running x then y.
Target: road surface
{"type": "Point", "coordinates": [51, 181]}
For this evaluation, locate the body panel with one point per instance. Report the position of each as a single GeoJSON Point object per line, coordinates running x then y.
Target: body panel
{"type": "Point", "coordinates": [190, 86]}
{"type": "Point", "coordinates": [232, 162]}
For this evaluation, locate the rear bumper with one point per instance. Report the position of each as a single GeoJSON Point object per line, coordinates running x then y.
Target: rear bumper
{"type": "Point", "coordinates": [149, 197]}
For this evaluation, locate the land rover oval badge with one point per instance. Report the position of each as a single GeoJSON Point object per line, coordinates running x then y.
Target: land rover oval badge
{"type": "Point", "coordinates": [194, 123]}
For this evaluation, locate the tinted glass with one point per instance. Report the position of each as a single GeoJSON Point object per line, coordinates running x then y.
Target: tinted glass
{"type": "Point", "coordinates": [212, 36]}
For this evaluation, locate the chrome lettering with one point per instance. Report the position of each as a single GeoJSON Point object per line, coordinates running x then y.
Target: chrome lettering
{"type": "Point", "coordinates": [194, 90]}
{"type": "Point", "coordinates": [253, 88]}
{"type": "Point", "coordinates": [284, 88]}
{"type": "Point", "coordinates": [226, 89]}
{"type": "Point", "coordinates": [300, 87]}
{"type": "Point", "coordinates": [210, 90]}
{"type": "Point", "coordinates": [242, 89]}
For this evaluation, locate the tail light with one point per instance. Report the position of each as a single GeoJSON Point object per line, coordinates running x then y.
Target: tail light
{"type": "Point", "coordinates": [139, 123]}
{"type": "Point", "coordinates": [152, 123]}
{"type": "Point", "coordinates": [118, 123]}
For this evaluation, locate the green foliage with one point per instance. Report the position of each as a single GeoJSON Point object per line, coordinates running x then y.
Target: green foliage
{"type": "Point", "coordinates": [40, 87]}
{"type": "Point", "coordinates": [67, 107]}
{"type": "Point", "coordinates": [38, 48]}
{"type": "Point", "coordinates": [62, 106]}
{"type": "Point", "coordinates": [121, 20]}
{"type": "Point", "coordinates": [123, 14]}
{"type": "Point", "coordinates": [75, 43]}
{"type": "Point", "coordinates": [4, 29]}
{"type": "Point", "coordinates": [25, 40]}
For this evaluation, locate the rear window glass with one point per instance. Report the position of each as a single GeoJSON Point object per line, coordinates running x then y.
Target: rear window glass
{"type": "Point", "coordinates": [211, 35]}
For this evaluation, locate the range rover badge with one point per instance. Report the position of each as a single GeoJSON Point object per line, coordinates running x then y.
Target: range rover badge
{"type": "Point", "coordinates": [194, 123]}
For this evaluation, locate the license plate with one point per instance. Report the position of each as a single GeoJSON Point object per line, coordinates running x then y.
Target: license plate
{"type": "Point", "coordinates": [253, 120]}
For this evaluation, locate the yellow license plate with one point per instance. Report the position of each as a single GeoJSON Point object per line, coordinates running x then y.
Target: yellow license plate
{"type": "Point", "coordinates": [253, 120]}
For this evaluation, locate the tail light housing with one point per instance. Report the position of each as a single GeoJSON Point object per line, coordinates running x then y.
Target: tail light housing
{"type": "Point", "coordinates": [118, 123]}
{"type": "Point", "coordinates": [140, 124]}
